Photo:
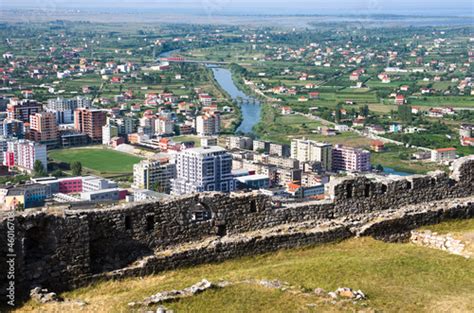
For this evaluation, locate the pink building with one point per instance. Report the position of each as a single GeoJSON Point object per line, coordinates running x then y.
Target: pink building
{"type": "Point", "coordinates": [123, 194]}
{"type": "Point", "coordinates": [70, 185]}
{"type": "Point", "coordinates": [350, 159]}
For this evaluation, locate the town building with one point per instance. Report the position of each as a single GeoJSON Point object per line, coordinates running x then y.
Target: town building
{"type": "Point", "coordinates": [208, 141]}
{"type": "Point", "coordinates": [342, 128]}
{"type": "Point", "coordinates": [350, 159]}
{"type": "Point", "coordinates": [301, 192]}
{"type": "Point", "coordinates": [12, 128]}
{"type": "Point", "coordinates": [93, 183]}
{"type": "Point", "coordinates": [285, 110]}
{"type": "Point", "coordinates": [205, 99]}
{"type": "Point", "coordinates": [154, 175]}
{"type": "Point", "coordinates": [64, 108]}
{"type": "Point", "coordinates": [22, 109]}
{"type": "Point", "coordinates": [279, 150]}
{"type": "Point", "coordinates": [43, 129]}
{"type": "Point", "coordinates": [261, 146]}
{"type": "Point", "coordinates": [164, 126]}
{"type": "Point", "coordinates": [203, 169]}
{"type": "Point", "coordinates": [113, 194]}
{"type": "Point", "coordinates": [443, 155]}
{"type": "Point", "coordinates": [109, 132]}
{"type": "Point", "coordinates": [208, 124]}
{"type": "Point", "coordinates": [377, 146]}
{"type": "Point", "coordinates": [253, 181]}
{"type": "Point", "coordinates": [90, 122]}
{"type": "Point", "coordinates": [24, 153]}
{"type": "Point", "coordinates": [277, 161]}
{"type": "Point", "coordinates": [126, 125]}
{"type": "Point", "coordinates": [26, 196]}
{"type": "Point", "coordinates": [145, 194]}
{"type": "Point", "coordinates": [466, 131]}
{"type": "Point", "coordinates": [311, 151]}
{"type": "Point", "coordinates": [239, 142]}
{"type": "Point", "coordinates": [69, 139]}
{"type": "Point", "coordinates": [399, 99]}
{"type": "Point", "coordinates": [65, 185]}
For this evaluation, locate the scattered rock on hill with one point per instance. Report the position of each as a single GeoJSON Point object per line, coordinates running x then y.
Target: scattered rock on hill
{"type": "Point", "coordinates": [171, 295]}
{"type": "Point", "coordinates": [348, 293]}
{"type": "Point", "coordinates": [44, 296]}
{"type": "Point", "coordinates": [319, 291]}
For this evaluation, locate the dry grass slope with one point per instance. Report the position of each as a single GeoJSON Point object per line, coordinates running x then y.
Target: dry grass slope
{"type": "Point", "coordinates": [395, 277]}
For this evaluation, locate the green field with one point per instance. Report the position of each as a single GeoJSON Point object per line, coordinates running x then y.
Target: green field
{"type": "Point", "coordinates": [395, 278]}
{"type": "Point", "coordinates": [195, 139]}
{"type": "Point", "coordinates": [99, 160]}
{"type": "Point", "coordinates": [397, 158]}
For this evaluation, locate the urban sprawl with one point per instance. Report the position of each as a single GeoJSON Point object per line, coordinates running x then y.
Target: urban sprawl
{"type": "Point", "coordinates": [96, 117]}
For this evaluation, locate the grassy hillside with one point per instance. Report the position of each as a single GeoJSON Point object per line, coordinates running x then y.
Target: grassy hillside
{"type": "Point", "coordinates": [395, 277]}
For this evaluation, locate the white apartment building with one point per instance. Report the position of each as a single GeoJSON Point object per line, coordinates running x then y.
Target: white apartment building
{"type": "Point", "coordinates": [443, 155]}
{"type": "Point", "coordinates": [148, 122]}
{"type": "Point", "coordinates": [261, 146]}
{"type": "Point", "coordinates": [312, 151]}
{"type": "Point", "coordinates": [151, 175]}
{"type": "Point", "coordinates": [203, 169]}
{"type": "Point", "coordinates": [64, 108]}
{"type": "Point", "coordinates": [92, 183]}
{"type": "Point", "coordinates": [239, 142]}
{"type": "Point", "coordinates": [108, 132]}
{"type": "Point", "coordinates": [125, 125]}
{"type": "Point", "coordinates": [208, 141]}
{"type": "Point", "coordinates": [208, 124]}
{"type": "Point", "coordinates": [24, 153]}
{"type": "Point", "coordinates": [164, 126]}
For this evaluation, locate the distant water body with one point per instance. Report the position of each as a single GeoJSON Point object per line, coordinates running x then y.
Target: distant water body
{"type": "Point", "coordinates": [391, 171]}
{"type": "Point", "coordinates": [465, 10]}
{"type": "Point", "coordinates": [249, 106]}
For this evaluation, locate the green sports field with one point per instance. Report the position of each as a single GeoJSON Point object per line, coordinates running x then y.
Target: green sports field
{"type": "Point", "coordinates": [104, 161]}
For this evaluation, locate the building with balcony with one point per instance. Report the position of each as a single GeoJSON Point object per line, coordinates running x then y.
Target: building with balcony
{"type": "Point", "coordinates": [203, 169]}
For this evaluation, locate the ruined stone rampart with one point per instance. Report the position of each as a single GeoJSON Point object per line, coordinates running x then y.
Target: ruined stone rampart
{"type": "Point", "coordinates": [60, 249]}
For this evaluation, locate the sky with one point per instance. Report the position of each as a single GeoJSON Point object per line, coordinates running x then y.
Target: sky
{"type": "Point", "coordinates": [357, 7]}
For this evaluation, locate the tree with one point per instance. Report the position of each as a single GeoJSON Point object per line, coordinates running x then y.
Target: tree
{"type": "Point", "coordinates": [76, 168]}
{"type": "Point", "coordinates": [338, 113]}
{"type": "Point", "coordinates": [157, 187]}
{"type": "Point", "coordinates": [20, 207]}
{"type": "Point", "coordinates": [379, 168]}
{"type": "Point", "coordinates": [364, 110]}
{"type": "Point", "coordinates": [405, 114]}
{"type": "Point", "coordinates": [38, 169]}
{"type": "Point", "coordinates": [58, 173]}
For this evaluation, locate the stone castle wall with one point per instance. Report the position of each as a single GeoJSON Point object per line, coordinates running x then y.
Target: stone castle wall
{"type": "Point", "coordinates": [63, 248]}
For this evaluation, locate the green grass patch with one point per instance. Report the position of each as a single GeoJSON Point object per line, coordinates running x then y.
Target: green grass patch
{"type": "Point", "coordinates": [398, 158]}
{"type": "Point", "coordinates": [453, 226]}
{"type": "Point", "coordinates": [100, 160]}
{"type": "Point", "coordinates": [195, 139]}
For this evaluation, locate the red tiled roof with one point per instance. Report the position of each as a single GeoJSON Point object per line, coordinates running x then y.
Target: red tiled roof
{"type": "Point", "coordinates": [446, 149]}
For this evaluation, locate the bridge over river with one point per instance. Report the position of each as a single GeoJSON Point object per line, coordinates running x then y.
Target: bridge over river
{"type": "Point", "coordinates": [183, 60]}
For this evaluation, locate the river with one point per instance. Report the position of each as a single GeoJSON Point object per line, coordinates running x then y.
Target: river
{"type": "Point", "coordinates": [249, 106]}
{"type": "Point", "coordinates": [167, 54]}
